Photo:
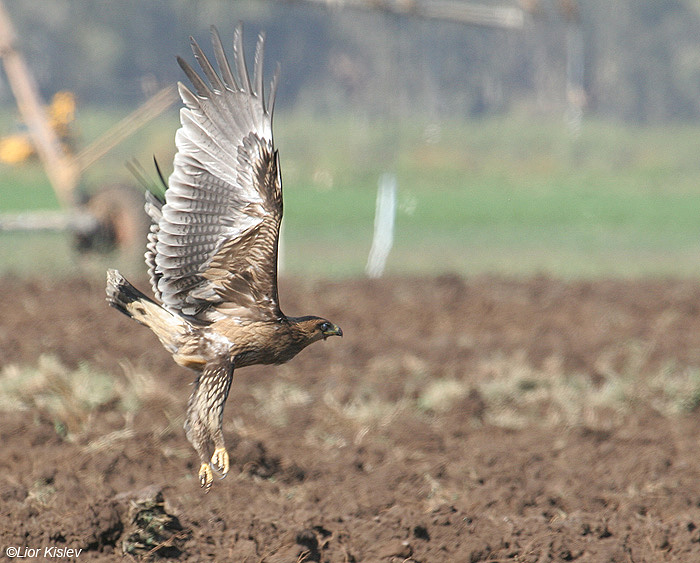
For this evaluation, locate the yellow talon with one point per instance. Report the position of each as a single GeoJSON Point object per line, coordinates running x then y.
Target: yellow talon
{"type": "Point", "coordinates": [206, 477]}
{"type": "Point", "coordinates": [220, 461]}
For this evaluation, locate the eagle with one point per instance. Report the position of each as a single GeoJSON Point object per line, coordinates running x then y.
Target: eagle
{"type": "Point", "coordinates": [213, 243]}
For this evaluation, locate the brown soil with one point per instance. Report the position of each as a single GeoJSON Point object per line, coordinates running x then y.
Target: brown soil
{"type": "Point", "coordinates": [338, 457]}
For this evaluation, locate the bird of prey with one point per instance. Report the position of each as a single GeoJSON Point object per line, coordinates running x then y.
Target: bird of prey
{"type": "Point", "coordinates": [212, 247]}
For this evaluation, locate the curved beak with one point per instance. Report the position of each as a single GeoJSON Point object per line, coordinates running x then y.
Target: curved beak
{"type": "Point", "coordinates": [335, 330]}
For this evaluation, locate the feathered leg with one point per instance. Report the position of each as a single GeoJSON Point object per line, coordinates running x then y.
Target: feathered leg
{"type": "Point", "coordinates": [204, 417]}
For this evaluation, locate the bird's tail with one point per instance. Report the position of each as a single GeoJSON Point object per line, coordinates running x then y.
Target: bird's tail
{"type": "Point", "coordinates": [170, 329]}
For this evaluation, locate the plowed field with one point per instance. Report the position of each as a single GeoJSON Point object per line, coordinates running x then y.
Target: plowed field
{"type": "Point", "coordinates": [458, 420]}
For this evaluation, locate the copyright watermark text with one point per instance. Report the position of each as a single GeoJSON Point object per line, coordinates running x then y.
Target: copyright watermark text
{"type": "Point", "coordinates": [24, 552]}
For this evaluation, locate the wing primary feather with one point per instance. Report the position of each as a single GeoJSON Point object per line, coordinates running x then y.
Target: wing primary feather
{"type": "Point", "coordinates": [209, 71]}
{"type": "Point", "coordinates": [160, 175]}
{"type": "Point", "coordinates": [273, 91]}
{"type": "Point", "coordinates": [197, 82]}
{"type": "Point", "coordinates": [258, 69]}
{"type": "Point", "coordinates": [222, 60]}
{"type": "Point", "coordinates": [137, 171]}
{"type": "Point", "coordinates": [239, 56]}
{"type": "Point", "coordinates": [142, 177]}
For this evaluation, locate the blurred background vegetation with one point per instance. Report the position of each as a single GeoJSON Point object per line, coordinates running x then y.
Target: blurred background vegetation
{"type": "Point", "coordinates": [570, 146]}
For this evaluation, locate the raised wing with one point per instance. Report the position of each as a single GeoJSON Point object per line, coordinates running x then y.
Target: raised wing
{"type": "Point", "coordinates": [213, 244]}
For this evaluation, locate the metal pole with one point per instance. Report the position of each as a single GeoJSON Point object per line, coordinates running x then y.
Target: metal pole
{"type": "Point", "coordinates": [383, 238]}
{"type": "Point", "coordinates": [60, 168]}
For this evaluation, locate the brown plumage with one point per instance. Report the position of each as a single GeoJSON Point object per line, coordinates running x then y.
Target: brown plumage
{"type": "Point", "coordinates": [212, 249]}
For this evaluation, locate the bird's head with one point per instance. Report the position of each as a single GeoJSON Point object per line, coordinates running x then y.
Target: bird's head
{"type": "Point", "coordinates": [312, 329]}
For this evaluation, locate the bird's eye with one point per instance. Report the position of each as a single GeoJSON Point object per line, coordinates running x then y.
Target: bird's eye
{"type": "Point", "coordinates": [325, 326]}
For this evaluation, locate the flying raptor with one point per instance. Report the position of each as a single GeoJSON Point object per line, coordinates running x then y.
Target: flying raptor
{"type": "Point", "coordinates": [212, 247]}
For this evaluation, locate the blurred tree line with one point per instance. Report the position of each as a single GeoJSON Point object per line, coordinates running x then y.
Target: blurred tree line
{"type": "Point", "coordinates": [639, 59]}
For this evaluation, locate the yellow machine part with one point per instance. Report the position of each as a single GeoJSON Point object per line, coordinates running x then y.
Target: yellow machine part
{"type": "Point", "coordinates": [18, 147]}
{"type": "Point", "coordinates": [62, 112]}
{"type": "Point", "coordinates": [15, 149]}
